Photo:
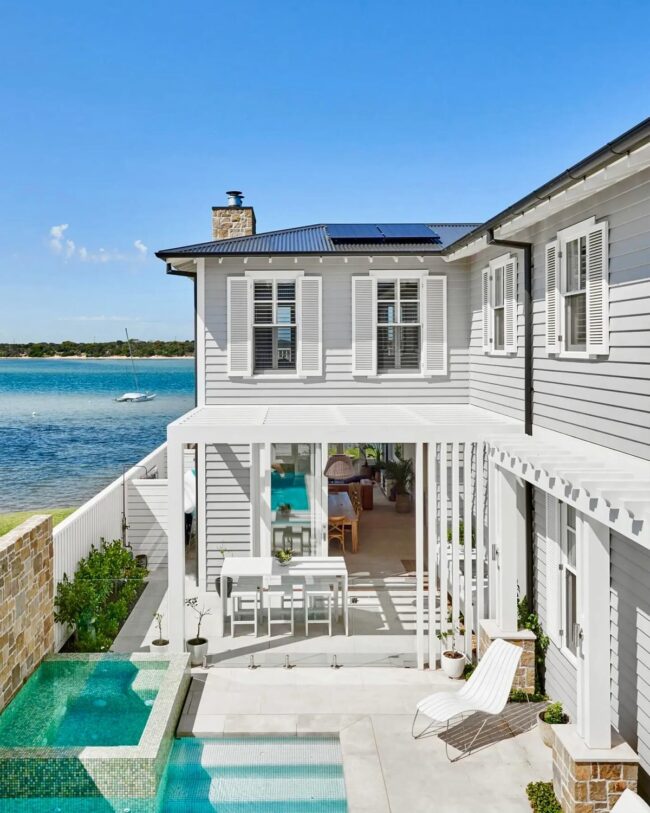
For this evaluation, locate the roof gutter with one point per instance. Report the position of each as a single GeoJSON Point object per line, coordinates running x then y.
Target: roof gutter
{"type": "Point", "coordinates": [626, 143]}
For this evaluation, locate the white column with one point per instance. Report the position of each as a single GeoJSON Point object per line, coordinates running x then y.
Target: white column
{"type": "Point", "coordinates": [508, 526]}
{"type": "Point", "coordinates": [432, 551]}
{"type": "Point", "coordinates": [593, 565]}
{"type": "Point", "coordinates": [175, 547]}
{"type": "Point", "coordinates": [419, 553]}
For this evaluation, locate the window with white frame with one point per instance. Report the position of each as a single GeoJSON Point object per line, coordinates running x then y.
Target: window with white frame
{"type": "Point", "coordinates": [568, 577]}
{"type": "Point", "coordinates": [577, 291]}
{"type": "Point", "coordinates": [499, 305]}
{"type": "Point", "coordinates": [274, 325]}
{"type": "Point", "coordinates": [398, 325]}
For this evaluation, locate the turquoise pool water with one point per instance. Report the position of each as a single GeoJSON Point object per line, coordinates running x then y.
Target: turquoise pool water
{"type": "Point", "coordinates": [229, 775]}
{"type": "Point", "coordinates": [79, 703]}
{"type": "Point", "coordinates": [289, 488]}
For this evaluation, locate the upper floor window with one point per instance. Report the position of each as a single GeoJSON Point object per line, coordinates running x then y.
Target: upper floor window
{"type": "Point", "coordinates": [577, 291]}
{"type": "Point", "coordinates": [398, 325]}
{"type": "Point", "coordinates": [274, 325]}
{"type": "Point", "coordinates": [499, 305]}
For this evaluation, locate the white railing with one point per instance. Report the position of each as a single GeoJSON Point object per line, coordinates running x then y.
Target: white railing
{"type": "Point", "coordinates": [100, 517]}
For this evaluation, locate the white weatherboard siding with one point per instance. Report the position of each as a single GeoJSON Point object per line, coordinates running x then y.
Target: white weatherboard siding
{"type": "Point", "coordinates": [337, 385]}
{"type": "Point", "coordinates": [146, 512]}
{"type": "Point", "coordinates": [630, 642]}
{"type": "Point", "coordinates": [227, 505]}
{"type": "Point", "coordinates": [561, 674]}
{"type": "Point", "coordinates": [604, 400]}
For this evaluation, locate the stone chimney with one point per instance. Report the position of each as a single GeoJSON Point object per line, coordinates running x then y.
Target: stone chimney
{"type": "Point", "coordinates": [233, 220]}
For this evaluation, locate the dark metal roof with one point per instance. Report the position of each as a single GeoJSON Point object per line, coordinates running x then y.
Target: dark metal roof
{"type": "Point", "coordinates": [387, 238]}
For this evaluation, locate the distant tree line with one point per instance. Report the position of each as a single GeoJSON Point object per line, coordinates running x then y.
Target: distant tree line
{"type": "Point", "coordinates": [97, 349]}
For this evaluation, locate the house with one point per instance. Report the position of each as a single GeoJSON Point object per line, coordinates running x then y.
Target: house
{"type": "Point", "coordinates": [511, 358]}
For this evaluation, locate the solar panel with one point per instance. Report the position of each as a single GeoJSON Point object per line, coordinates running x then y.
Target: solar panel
{"type": "Point", "coordinates": [406, 231]}
{"type": "Point", "coordinates": [353, 231]}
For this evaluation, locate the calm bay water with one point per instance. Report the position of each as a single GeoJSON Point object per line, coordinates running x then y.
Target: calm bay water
{"type": "Point", "coordinates": [62, 435]}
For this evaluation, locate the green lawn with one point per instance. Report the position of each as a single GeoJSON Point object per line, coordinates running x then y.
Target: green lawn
{"type": "Point", "coordinates": [9, 521]}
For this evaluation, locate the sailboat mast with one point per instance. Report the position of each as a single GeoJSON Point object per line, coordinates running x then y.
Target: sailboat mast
{"type": "Point", "coordinates": [135, 376]}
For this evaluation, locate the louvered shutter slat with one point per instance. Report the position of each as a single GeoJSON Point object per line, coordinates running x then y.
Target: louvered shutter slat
{"type": "Point", "coordinates": [597, 291]}
{"type": "Point", "coordinates": [510, 305]}
{"type": "Point", "coordinates": [435, 325]}
{"type": "Point", "coordinates": [552, 284]}
{"type": "Point", "coordinates": [364, 326]}
{"type": "Point", "coordinates": [310, 347]}
{"type": "Point", "coordinates": [552, 576]}
{"type": "Point", "coordinates": [485, 308]}
{"type": "Point", "coordinates": [240, 337]}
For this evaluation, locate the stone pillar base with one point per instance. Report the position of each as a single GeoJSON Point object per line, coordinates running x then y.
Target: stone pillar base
{"type": "Point", "coordinates": [525, 675]}
{"type": "Point", "coordinates": [590, 780]}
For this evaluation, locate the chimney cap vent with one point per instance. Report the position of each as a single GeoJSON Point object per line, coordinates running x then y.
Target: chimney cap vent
{"type": "Point", "coordinates": [235, 198]}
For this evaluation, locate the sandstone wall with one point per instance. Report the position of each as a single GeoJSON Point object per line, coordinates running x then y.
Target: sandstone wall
{"type": "Point", "coordinates": [26, 602]}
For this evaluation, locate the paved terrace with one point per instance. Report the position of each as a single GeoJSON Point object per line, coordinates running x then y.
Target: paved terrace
{"type": "Point", "coordinates": [386, 771]}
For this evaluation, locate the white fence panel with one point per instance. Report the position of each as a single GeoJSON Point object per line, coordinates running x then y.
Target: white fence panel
{"type": "Point", "coordinates": [147, 518]}
{"type": "Point", "coordinates": [100, 517]}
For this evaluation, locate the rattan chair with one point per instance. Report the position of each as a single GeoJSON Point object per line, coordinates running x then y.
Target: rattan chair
{"type": "Point", "coordinates": [336, 531]}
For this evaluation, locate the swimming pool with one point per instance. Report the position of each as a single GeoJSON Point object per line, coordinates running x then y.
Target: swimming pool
{"type": "Point", "coordinates": [230, 775]}
{"type": "Point", "coordinates": [82, 702]}
{"type": "Point", "coordinates": [289, 488]}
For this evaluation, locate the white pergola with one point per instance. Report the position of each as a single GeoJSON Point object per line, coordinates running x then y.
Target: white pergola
{"type": "Point", "coordinates": [420, 424]}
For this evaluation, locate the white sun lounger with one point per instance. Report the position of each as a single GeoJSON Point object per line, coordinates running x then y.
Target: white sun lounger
{"type": "Point", "coordinates": [630, 803]}
{"type": "Point", "coordinates": [487, 691]}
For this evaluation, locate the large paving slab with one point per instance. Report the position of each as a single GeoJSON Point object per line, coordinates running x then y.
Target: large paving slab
{"type": "Point", "coordinates": [371, 710]}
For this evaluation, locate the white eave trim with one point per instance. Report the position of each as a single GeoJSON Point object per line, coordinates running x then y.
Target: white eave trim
{"type": "Point", "coordinates": [619, 169]}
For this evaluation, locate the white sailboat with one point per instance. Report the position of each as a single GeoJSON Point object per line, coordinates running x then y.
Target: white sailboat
{"type": "Point", "coordinates": [137, 396]}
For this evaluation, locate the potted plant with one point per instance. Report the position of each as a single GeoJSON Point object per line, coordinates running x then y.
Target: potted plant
{"type": "Point", "coordinates": [284, 509]}
{"type": "Point", "coordinates": [400, 472]}
{"type": "Point", "coordinates": [197, 646]}
{"type": "Point", "coordinates": [284, 557]}
{"type": "Point", "coordinates": [552, 715]}
{"type": "Point", "coordinates": [160, 645]}
{"type": "Point", "coordinates": [229, 581]}
{"type": "Point", "coordinates": [452, 661]}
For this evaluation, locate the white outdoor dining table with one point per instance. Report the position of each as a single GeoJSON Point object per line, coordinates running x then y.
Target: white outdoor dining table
{"type": "Point", "coordinates": [269, 570]}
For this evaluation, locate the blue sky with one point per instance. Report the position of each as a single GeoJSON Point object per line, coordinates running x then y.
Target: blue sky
{"type": "Point", "coordinates": [125, 122]}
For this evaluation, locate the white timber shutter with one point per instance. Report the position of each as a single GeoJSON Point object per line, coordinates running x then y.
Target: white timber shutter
{"type": "Point", "coordinates": [552, 288]}
{"type": "Point", "coordinates": [434, 325]}
{"type": "Point", "coordinates": [486, 327]}
{"type": "Point", "coordinates": [510, 305]}
{"type": "Point", "coordinates": [364, 326]}
{"type": "Point", "coordinates": [310, 329]}
{"type": "Point", "coordinates": [240, 330]}
{"type": "Point", "coordinates": [553, 622]}
{"type": "Point", "coordinates": [598, 291]}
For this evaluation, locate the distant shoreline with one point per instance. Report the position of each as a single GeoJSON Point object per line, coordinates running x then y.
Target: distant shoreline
{"type": "Point", "coordinates": [93, 358]}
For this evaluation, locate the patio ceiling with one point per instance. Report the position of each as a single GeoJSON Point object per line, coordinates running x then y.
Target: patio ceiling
{"type": "Point", "coordinates": [593, 480]}
{"type": "Point", "coordinates": [325, 423]}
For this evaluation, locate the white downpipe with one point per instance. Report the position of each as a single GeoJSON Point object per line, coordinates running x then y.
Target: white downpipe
{"type": "Point", "coordinates": [419, 552]}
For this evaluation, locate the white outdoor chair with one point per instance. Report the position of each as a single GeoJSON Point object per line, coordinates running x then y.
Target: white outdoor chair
{"type": "Point", "coordinates": [630, 803]}
{"type": "Point", "coordinates": [487, 691]}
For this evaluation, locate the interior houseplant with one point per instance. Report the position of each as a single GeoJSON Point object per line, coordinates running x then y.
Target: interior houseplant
{"type": "Point", "coordinates": [159, 645]}
{"type": "Point", "coordinates": [451, 660]}
{"type": "Point", "coordinates": [400, 471]}
{"type": "Point", "coordinates": [551, 716]}
{"type": "Point", "coordinates": [197, 646]}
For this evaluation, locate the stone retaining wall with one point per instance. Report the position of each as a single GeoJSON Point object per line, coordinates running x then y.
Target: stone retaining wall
{"type": "Point", "coordinates": [26, 602]}
{"type": "Point", "coordinates": [525, 675]}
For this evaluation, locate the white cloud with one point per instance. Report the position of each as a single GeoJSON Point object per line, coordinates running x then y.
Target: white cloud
{"type": "Point", "coordinates": [68, 249]}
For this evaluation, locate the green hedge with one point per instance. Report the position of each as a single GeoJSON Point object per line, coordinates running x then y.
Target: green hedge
{"type": "Point", "coordinates": [97, 601]}
{"type": "Point", "coordinates": [541, 797]}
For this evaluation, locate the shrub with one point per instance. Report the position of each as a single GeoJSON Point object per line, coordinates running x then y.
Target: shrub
{"type": "Point", "coordinates": [554, 714]}
{"type": "Point", "coordinates": [98, 600]}
{"type": "Point", "coordinates": [541, 797]}
{"type": "Point", "coordinates": [520, 696]}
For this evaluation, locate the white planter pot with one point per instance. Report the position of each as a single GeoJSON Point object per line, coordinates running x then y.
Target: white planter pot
{"type": "Point", "coordinates": [159, 649]}
{"type": "Point", "coordinates": [546, 729]}
{"type": "Point", "coordinates": [453, 667]}
{"type": "Point", "coordinates": [198, 649]}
